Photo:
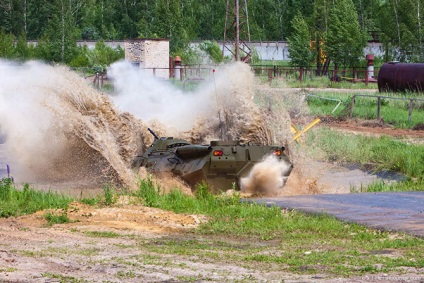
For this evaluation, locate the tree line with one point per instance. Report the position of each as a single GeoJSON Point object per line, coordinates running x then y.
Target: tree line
{"type": "Point", "coordinates": [338, 27]}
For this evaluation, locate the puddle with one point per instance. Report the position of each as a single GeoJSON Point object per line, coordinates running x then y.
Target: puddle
{"type": "Point", "coordinates": [385, 175]}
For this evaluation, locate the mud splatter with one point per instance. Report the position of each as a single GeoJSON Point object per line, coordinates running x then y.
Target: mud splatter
{"type": "Point", "coordinates": [266, 178]}
{"type": "Point", "coordinates": [60, 129]}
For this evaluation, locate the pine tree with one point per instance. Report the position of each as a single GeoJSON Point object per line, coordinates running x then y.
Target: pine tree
{"type": "Point", "coordinates": [301, 54]}
{"type": "Point", "coordinates": [344, 39]}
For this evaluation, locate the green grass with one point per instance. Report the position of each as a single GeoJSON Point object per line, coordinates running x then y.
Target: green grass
{"type": "Point", "coordinates": [53, 218]}
{"type": "Point", "coordinates": [102, 234]}
{"type": "Point", "coordinates": [382, 186]}
{"type": "Point", "coordinates": [324, 82]}
{"type": "Point", "coordinates": [63, 278]}
{"type": "Point", "coordinates": [379, 153]}
{"type": "Point", "coordinates": [392, 111]}
{"type": "Point", "coordinates": [14, 202]}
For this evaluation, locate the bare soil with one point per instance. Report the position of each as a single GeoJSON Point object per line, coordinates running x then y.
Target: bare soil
{"type": "Point", "coordinates": [374, 128]}
{"type": "Point", "coordinates": [132, 243]}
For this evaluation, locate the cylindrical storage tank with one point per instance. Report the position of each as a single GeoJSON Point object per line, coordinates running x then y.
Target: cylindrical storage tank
{"type": "Point", "coordinates": [370, 65]}
{"type": "Point", "coordinates": [401, 77]}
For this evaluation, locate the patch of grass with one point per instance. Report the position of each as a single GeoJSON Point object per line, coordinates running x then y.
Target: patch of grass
{"type": "Point", "coordinates": [7, 269]}
{"type": "Point", "coordinates": [109, 194]}
{"type": "Point", "coordinates": [88, 252]}
{"type": "Point", "coordinates": [187, 278]}
{"type": "Point", "coordinates": [125, 274]}
{"type": "Point", "coordinates": [148, 191]}
{"type": "Point", "coordinates": [102, 234]}
{"type": "Point", "coordinates": [14, 202]}
{"type": "Point", "coordinates": [392, 111]}
{"type": "Point", "coordinates": [312, 81]}
{"type": "Point", "coordinates": [53, 218]}
{"type": "Point", "coordinates": [63, 278]}
{"type": "Point", "coordinates": [382, 186]}
{"type": "Point", "coordinates": [33, 253]}
{"type": "Point", "coordinates": [384, 152]}
{"type": "Point", "coordinates": [93, 201]}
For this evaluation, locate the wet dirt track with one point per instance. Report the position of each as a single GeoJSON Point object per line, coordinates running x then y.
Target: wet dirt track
{"type": "Point", "coordinates": [388, 211]}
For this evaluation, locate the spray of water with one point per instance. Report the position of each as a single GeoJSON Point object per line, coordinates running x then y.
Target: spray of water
{"type": "Point", "coordinates": [266, 178]}
{"type": "Point", "coordinates": [60, 129]}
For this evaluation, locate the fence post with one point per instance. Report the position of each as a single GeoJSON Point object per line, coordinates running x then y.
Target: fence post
{"type": "Point", "coordinates": [300, 74]}
{"type": "Point", "coordinates": [352, 106]}
{"type": "Point", "coordinates": [366, 77]}
{"type": "Point", "coordinates": [270, 75]}
{"type": "Point", "coordinates": [411, 103]}
{"type": "Point", "coordinates": [378, 107]}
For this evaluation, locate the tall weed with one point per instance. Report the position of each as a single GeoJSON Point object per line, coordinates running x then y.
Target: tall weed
{"type": "Point", "coordinates": [14, 202]}
{"type": "Point", "coordinates": [382, 153]}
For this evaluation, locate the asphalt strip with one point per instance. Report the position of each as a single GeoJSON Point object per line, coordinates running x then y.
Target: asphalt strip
{"type": "Point", "coordinates": [393, 211]}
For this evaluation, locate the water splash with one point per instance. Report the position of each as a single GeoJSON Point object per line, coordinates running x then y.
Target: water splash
{"type": "Point", "coordinates": [266, 178]}
{"type": "Point", "coordinates": [60, 129]}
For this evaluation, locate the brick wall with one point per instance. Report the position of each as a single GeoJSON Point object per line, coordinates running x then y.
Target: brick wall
{"type": "Point", "coordinates": [150, 54]}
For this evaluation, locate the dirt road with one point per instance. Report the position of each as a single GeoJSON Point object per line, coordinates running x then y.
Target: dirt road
{"type": "Point", "coordinates": [131, 243]}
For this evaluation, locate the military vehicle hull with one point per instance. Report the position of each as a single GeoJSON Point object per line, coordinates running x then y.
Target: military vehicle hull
{"type": "Point", "coordinates": [221, 163]}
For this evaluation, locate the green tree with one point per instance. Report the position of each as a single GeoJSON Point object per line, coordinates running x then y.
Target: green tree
{"type": "Point", "coordinates": [22, 50]}
{"type": "Point", "coordinates": [301, 54]}
{"type": "Point", "coordinates": [344, 40]}
{"type": "Point", "coordinates": [400, 25]}
{"type": "Point", "coordinates": [6, 45]}
{"type": "Point", "coordinates": [213, 49]}
{"type": "Point", "coordinates": [168, 24]}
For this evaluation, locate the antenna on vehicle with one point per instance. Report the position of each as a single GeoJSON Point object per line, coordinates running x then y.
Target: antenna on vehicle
{"type": "Point", "coordinates": [217, 104]}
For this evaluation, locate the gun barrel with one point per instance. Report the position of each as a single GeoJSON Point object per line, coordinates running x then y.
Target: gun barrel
{"type": "Point", "coordinates": [192, 151]}
{"type": "Point", "coordinates": [153, 133]}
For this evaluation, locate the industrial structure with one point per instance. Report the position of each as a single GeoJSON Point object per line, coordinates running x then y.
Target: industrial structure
{"type": "Point", "coordinates": [236, 31]}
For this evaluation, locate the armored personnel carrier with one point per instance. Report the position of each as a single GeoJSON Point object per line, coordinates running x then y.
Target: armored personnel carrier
{"type": "Point", "coordinates": [221, 163]}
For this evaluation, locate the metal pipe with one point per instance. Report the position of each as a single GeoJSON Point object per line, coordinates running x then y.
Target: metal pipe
{"type": "Point", "coordinates": [326, 98]}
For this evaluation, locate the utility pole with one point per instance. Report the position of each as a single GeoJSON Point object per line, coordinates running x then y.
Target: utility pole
{"type": "Point", "coordinates": [236, 31]}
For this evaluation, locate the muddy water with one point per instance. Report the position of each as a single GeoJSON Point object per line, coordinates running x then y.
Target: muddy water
{"type": "Point", "coordinates": [62, 131]}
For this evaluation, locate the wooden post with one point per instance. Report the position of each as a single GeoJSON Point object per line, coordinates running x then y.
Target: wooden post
{"type": "Point", "coordinates": [270, 76]}
{"type": "Point", "coordinates": [378, 107]}
{"type": "Point", "coordinates": [411, 103]}
{"type": "Point", "coordinates": [366, 77]}
{"type": "Point", "coordinates": [352, 106]}
{"type": "Point", "coordinates": [300, 74]}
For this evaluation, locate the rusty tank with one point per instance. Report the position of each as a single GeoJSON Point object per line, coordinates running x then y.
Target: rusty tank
{"type": "Point", "coordinates": [220, 164]}
{"type": "Point", "coordinates": [401, 77]}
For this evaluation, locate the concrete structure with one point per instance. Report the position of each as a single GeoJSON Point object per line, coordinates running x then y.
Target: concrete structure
{"type": "Point", "coordinates": [267, 50]}
{"type": "Point", "coordinates": [149, 53]}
